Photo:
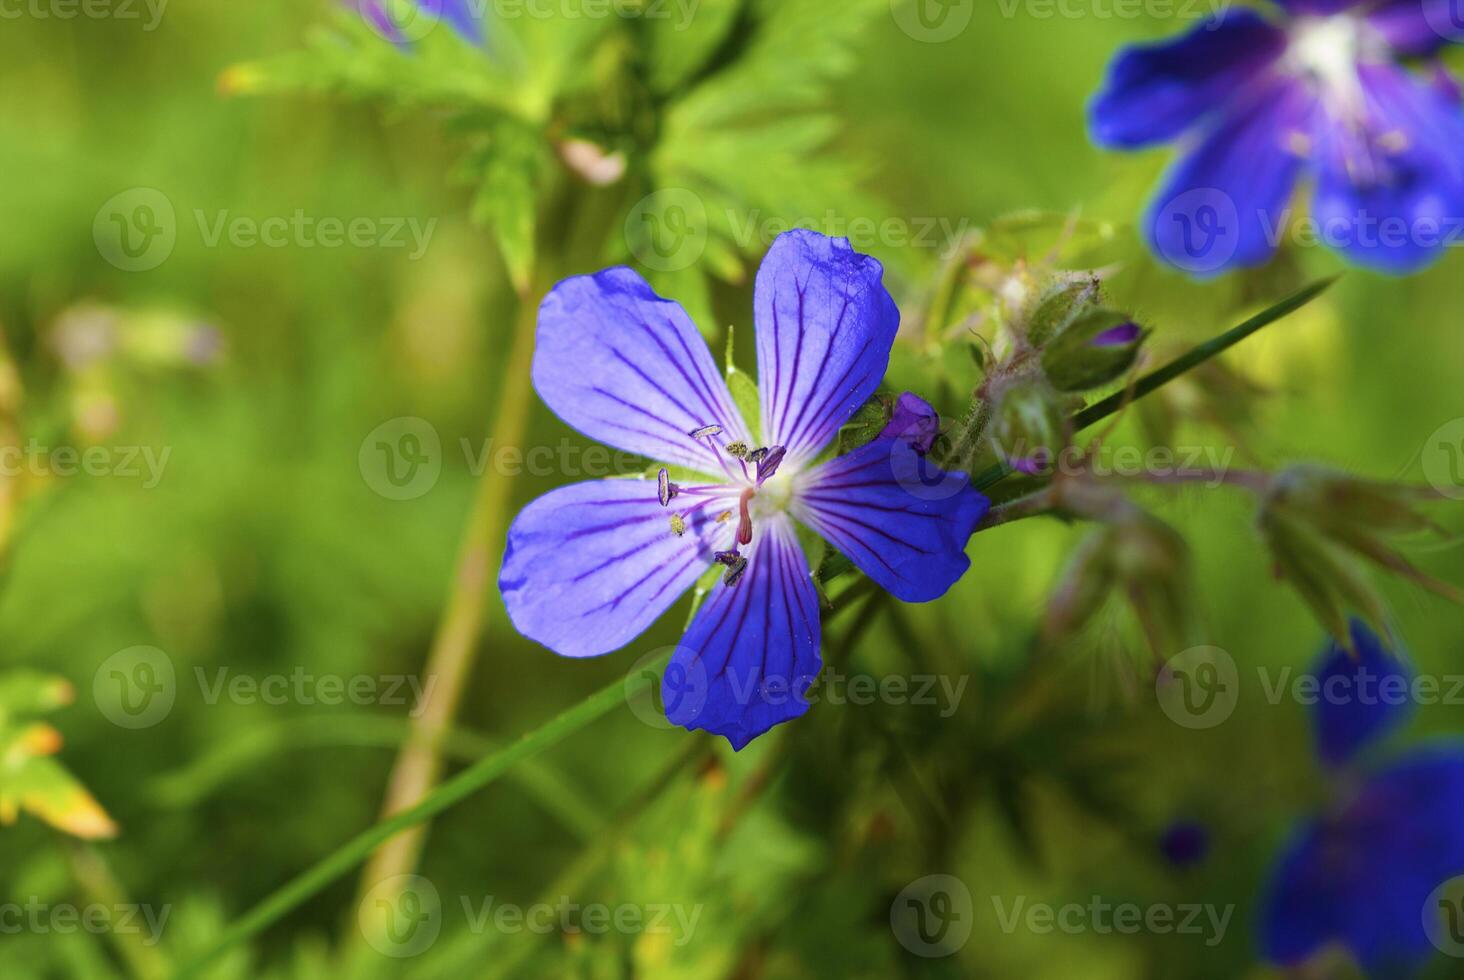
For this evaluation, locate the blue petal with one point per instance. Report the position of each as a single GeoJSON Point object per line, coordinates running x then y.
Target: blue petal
{"type": "Point", "coordinates": [1361, 699]}
{"type": "Point", "coordinates": [825, 325]}
{"type": "Point", "coordinates": [1417, 27]}
{"type": "Point", "coordinates": [1391, 191]}
{"type": "Point", "coordinates": [1154, 92]}
{"type": "Point", "coordinates": [896, 515]}
{"type": "Point", "coordinates": [626, 367]}
{"type": "Point", "coordinates": [751, 654]}
{"type": "Point", "coordinates": [1222, 205]}
{"type": "Point", "coordinates": [589, 566]}
{"type": "Point", "coordinates": [1361, 877]}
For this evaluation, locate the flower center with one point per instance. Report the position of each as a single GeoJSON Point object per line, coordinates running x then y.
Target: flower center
{"type": "Point", "coordinates": [1327, 50]}
{"type": "Point", "coordinates": [774, 496]}
{"type": "Point", "coordinates": [759, 467]}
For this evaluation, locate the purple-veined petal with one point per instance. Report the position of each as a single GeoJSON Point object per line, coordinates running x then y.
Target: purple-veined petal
{"type": "Point", "coordinates": [1361, 699]}
{"type": "Point", "coordinates": [626, 367]}
{"type": "Point", "coordinates": [1361, 877]}
{"type": "Point", "coordinates": [1223, 204]}
{"type": "Point", "coordinates": [1154, 92]}
{"type": "Point", "coordinates": [896, 515]}
{"type": "Point", "coordinates": [1390, 193]}
{"type": "Point", "coordinates": [825, 325]}
{"type": "Point", "coordinates": [752, 650]}
{"type": "Point", "coordinates": [591, 565]}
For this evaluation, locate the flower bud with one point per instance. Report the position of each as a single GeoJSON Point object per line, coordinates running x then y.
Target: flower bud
{"type": "Point", "coordinates": [1030, 425]}
{"type": "Point", "coordinates": [1097, 347]}
{"type": "Point", "coordinates": [1057, 306]}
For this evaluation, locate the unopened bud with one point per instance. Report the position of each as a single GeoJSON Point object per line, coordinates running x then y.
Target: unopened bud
{"type": "Point", "coordinates": [1057, 306]}
{"type": "Point", "coordinates": [1097, 347]}
{"type": "Point", "coordinates": [1031, 425]}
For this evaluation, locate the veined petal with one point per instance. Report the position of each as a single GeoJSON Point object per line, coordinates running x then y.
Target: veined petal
{"type": "Point", "coordinates": [1391, 192]}
{"type": "Point", "coordinates": [589, 566]}
{"type": "Point", "coordinates": [1360, 877]}
{"type": "Point", "coordinates": [825, 325]}
{"type": "Point", "coordinates": [1222, 205]}
{"type": "Point", "coordinates": [752, 651]}
{"type": "Point", "coordinates": [628, 368]}
{"type": "Point", "coordinates": [1361, 699]}
{"type": "Point", "coordinates": [1154, 92]}
{"type": "Point", "coordinates": [896, 515]}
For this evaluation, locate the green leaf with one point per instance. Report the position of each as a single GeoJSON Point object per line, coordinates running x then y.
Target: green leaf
{"type": "Point", "coordinates": [679, 46]}
{"type": "Point", "coordinates": [744, 393]}
{"type": "Point", "coordinates": [510, 160]}
{"type": "Point", "coordinates": [865, 425]}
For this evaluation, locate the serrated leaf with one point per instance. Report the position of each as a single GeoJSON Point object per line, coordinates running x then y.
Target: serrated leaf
{"type": "Point", "coordinates": [513, 159]}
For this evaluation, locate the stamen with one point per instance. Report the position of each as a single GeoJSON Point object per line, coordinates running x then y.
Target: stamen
{"type": "Point", "coordinates": [728, 558]}
{"type": "Point", "coordinates": [706, 431]}
{"type": "Point", "coordinates": [767, 466]}
{"type": "Point", "coordinates": [744, 523]}
{"type": "Point", "coordinates": [757, 455]}
{"type": "Point", "coordinates": [665, 488]}
{"type": "Point", "coordinates": [737, 450]}
{"type": "Point", "coordinates": [678, 525]}
{"type": "Point", "coordinates": [724, 517]}
{"type": "Point", "coordinates": [734, 574]}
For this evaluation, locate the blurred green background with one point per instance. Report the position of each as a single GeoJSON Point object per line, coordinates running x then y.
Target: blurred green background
{"type": "Point", "coordinates": [262, 550]}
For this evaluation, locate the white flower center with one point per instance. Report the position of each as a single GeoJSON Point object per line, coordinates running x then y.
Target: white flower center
{"type": "Point", "coordinates": [1327, 50]}
{"type": "Point", "coordinates": [775, 495]}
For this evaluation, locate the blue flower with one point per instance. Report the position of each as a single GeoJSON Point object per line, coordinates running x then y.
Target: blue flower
{"type": "Point", "coordinates": [1361, 876]}
{"type": "Point", "coordinates": [1259, 102]}
{"type": "Point", "coordinates": [589, 566]}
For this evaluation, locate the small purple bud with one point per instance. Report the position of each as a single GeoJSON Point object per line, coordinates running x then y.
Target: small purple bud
{"type": "Point", "coordinates": [914, 421]}
{"type": "Point", "coordinates": [1119, 336]}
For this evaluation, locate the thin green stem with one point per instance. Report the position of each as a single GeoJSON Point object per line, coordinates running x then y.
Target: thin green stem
{"type": "Point", "coordinates": [453, 791]}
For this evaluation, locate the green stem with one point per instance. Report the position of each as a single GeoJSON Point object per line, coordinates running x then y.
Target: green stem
{"type": "Point", "coordinates": [1186, 362]}
{"type": "Point", "coordinates": [453, 791]}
